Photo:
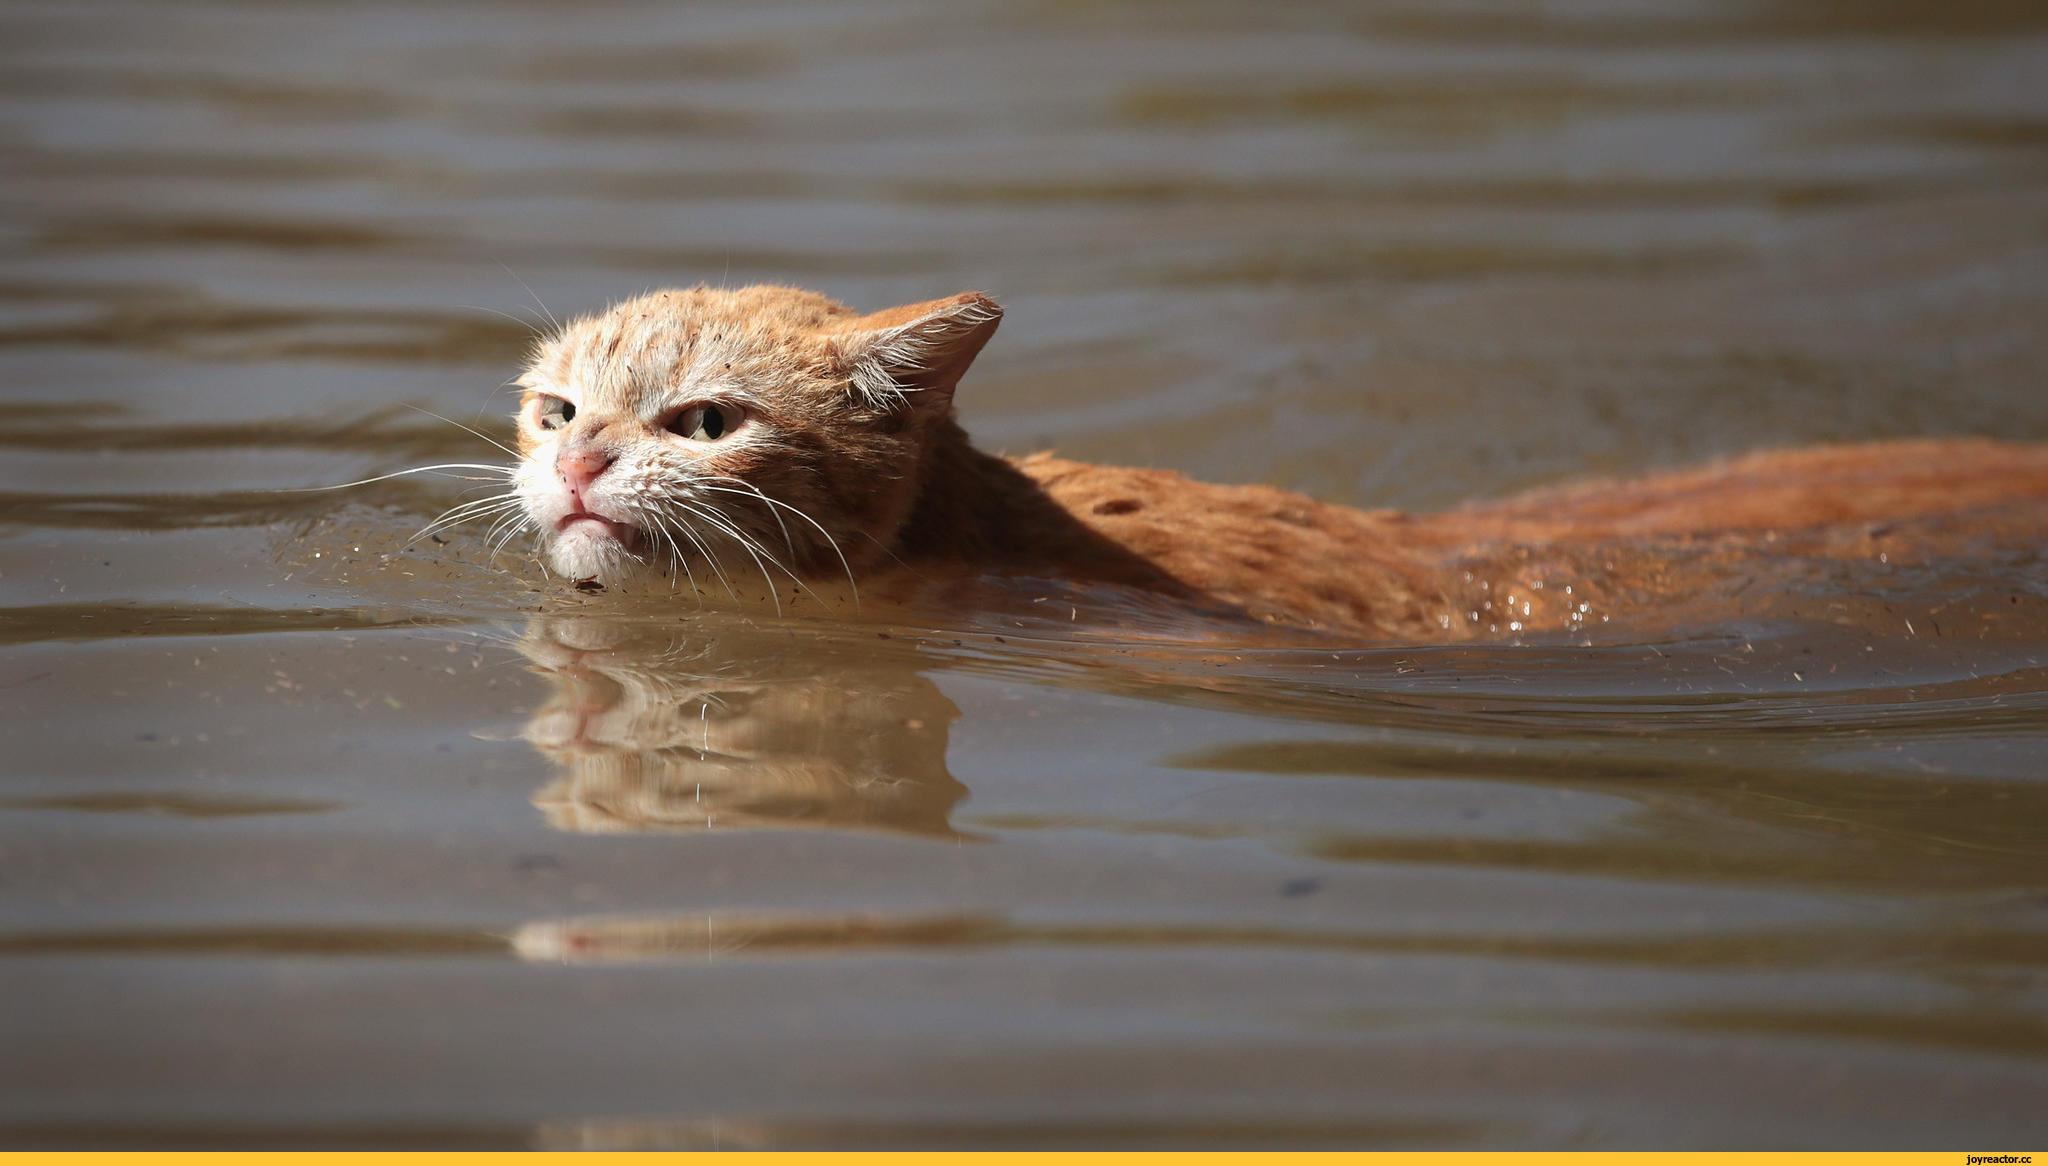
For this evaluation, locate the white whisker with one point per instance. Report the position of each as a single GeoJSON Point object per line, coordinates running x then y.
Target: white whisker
{"type": "Point", "coordinates": [752, 545]}
{"type": "Point", "coordinates": [475, 508]}
{"type": "Point", "coordinates": [815, 525]}
{"type": "Point", "coordinates": [683, 525]}
{"type": "Point", "coordinates": [678, 560]}
{"type": "Point", "coordinates": [466, 429]}
{"type": "Point", "coordinates": [529, 291]}
{"type": "Point", "coordinates": [522, 321]}
{"type": "Point", "coordinates": [513, 523]}
{"type": "Point", "coordinates": [496, 530]}
{"type": "Point", "coordinates": [450, 522]}
{"type": "Point", "coordinates": [464, 512]}
{"type": "Point", "coordinates": [723, 525]}
{"type": "Point", "coordinates": [439, 469]}
{"type": "Point", "coordinates": [772, 513]}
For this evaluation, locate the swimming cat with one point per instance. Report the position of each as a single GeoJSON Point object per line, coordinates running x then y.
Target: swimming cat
{"type": "Point", "coordinates": [695, 433]}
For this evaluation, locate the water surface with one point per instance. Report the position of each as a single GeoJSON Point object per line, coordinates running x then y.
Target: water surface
{"type": "Point", "coordinates": [311, 837]}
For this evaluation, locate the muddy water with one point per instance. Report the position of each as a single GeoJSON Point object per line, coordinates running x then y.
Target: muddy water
{"type": "Point", "coordinates": [310, 837]}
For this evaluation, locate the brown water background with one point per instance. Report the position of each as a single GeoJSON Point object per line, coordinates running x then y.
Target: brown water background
{"type": "Point", "coordinates": [308, 839]}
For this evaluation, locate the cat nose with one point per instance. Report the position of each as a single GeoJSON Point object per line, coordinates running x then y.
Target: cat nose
{"type": "Point", "coordinates": [580, 467]}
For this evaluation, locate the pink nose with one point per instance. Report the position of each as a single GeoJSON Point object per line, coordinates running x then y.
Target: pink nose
{"type": "Point", "coordinates": [580, 467]}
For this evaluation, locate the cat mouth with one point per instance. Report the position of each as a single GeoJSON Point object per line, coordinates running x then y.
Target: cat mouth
{"type": "Point", "coordinates": [625, 533]}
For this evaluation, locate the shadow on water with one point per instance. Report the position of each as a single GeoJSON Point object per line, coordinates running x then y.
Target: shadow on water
{"type": "Point", "coordinates": [656, 729]}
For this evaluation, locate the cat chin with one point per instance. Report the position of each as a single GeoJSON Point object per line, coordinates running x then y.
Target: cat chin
{"type": "Point", "coordinates": [585, 552]}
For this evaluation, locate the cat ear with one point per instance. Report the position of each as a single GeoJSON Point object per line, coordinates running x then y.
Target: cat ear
{"type": "Point", "coordinates": [917, 353]}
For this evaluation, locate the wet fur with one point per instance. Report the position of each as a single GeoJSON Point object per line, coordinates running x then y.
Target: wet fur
{"type": "Point", "coordinates": [852, 466]}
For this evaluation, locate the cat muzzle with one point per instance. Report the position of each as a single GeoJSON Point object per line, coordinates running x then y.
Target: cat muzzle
{"type": "Point", "coordinates": [626, 534]}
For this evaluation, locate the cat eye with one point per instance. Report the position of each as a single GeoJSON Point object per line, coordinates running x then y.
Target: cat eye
{"type": "Point", "coordinates": [555, 412]}
{"type": "Point", "coordinates": [705, 422]}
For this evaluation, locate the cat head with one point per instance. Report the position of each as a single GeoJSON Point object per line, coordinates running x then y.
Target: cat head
{"type": "Point", "coordinates": [689, 431]}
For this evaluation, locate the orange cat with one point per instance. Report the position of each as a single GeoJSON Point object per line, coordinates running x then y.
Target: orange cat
{"type": "Point", "coordinates": [693, 432]}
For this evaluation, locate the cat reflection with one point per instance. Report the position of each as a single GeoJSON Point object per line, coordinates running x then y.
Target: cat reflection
{"type": "Point", "coordinates": [730, 726]}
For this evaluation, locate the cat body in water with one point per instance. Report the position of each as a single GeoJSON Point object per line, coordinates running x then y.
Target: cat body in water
{"type": "Point", "coordinates": [698, 433]}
